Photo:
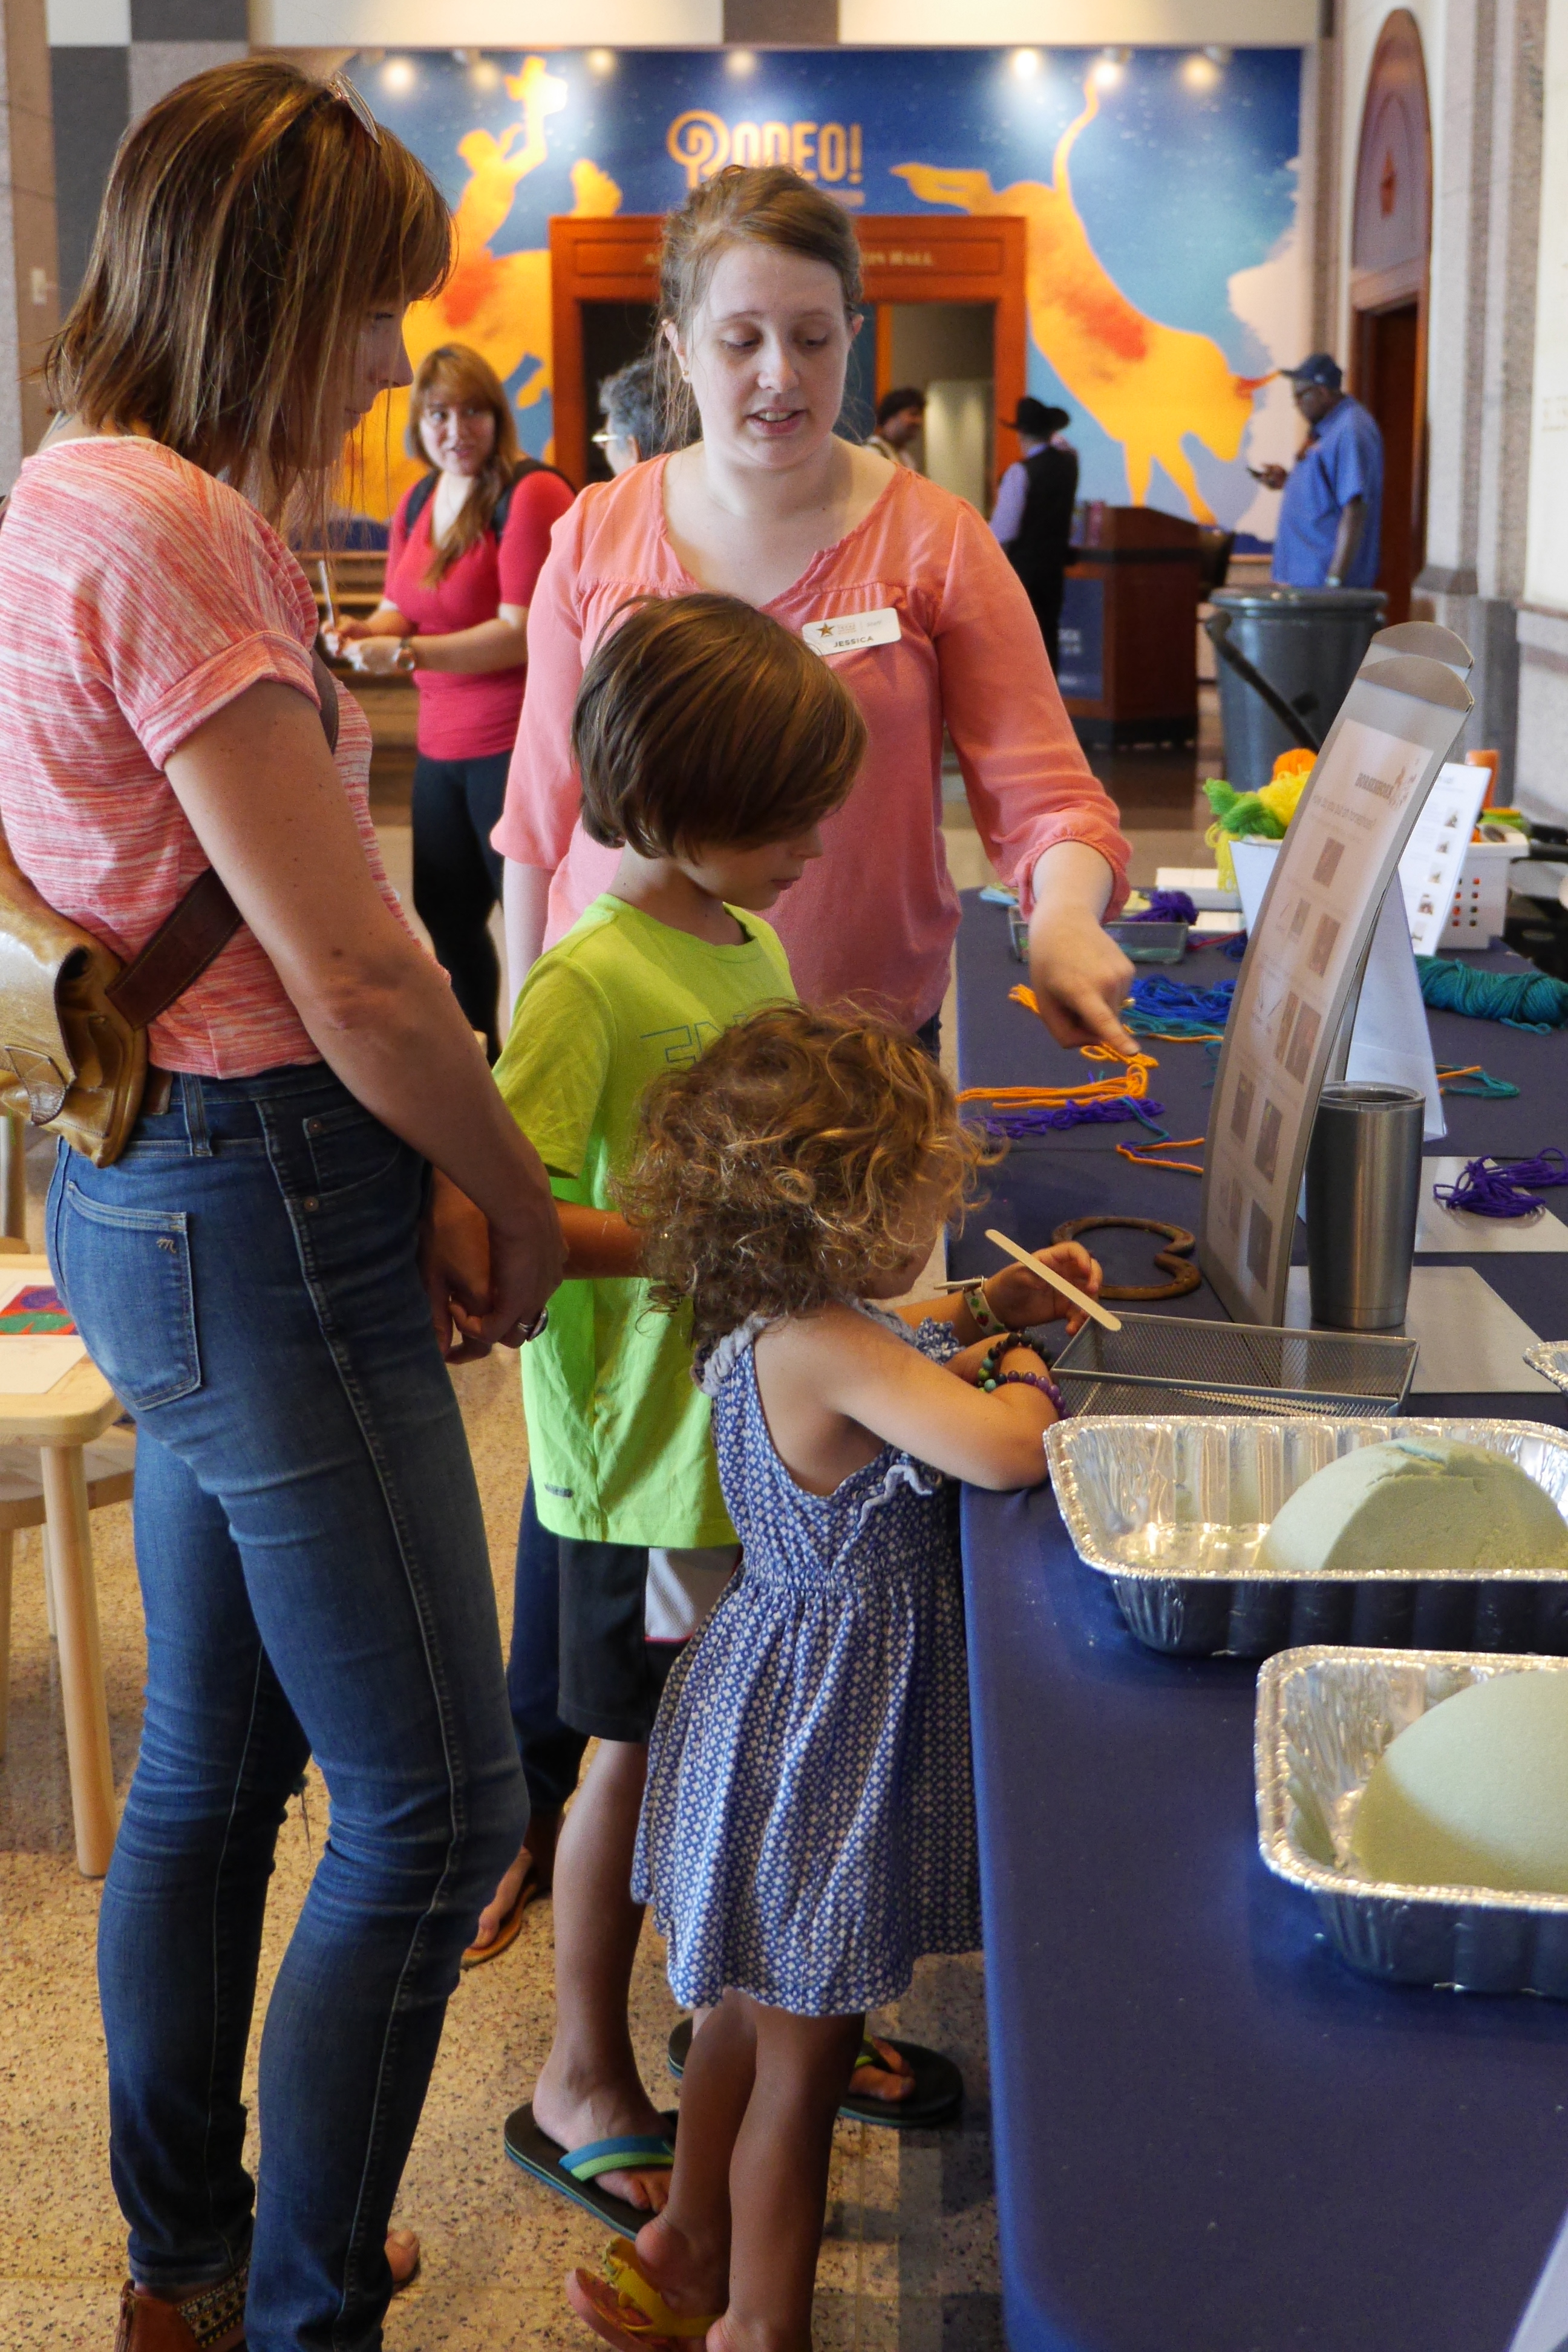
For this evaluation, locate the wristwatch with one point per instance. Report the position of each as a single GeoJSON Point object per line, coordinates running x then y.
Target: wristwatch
{"type": "Point", "coordinates": [402, 658]}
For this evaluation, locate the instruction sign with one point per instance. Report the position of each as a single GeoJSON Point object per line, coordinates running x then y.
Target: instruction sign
{"type": "Point", "coordinates": [1303, 961]}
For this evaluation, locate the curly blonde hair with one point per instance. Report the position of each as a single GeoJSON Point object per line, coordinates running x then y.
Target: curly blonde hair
{"type": "Point", "coordinates": [778, 1172]}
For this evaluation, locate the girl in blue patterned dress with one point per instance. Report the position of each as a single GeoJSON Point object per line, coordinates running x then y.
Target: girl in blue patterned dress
{"type": "Point", "coordinates": [808, 1829]}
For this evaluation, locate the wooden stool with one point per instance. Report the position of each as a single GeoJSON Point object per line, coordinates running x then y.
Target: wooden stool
{"type": "Point", "coordinates": [45, 1478]}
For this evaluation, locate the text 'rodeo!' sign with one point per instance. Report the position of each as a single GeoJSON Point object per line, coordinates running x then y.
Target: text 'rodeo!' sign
{"type": "Point", "coordinates": [703, 143]}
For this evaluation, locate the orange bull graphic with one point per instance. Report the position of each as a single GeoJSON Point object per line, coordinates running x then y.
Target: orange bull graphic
{"type": "Point", "coordinates": [1146, 385]}
{"type": "Point", "coordinates": [498, 303]}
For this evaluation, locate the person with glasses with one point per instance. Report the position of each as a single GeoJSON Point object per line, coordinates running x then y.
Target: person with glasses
{"type": "Point", "coordinates": [627, 405]}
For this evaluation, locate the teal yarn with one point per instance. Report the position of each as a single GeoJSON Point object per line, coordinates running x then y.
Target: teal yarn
{"type": "Point", "coordinates": [1520, 1000]}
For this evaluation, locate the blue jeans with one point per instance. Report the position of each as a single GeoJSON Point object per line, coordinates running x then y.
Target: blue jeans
{"type": "Point", "coordinates": [316, 1579]}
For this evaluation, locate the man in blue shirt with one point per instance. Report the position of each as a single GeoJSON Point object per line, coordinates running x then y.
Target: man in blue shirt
{"type": "Point", "coordinates": [1331, 519]}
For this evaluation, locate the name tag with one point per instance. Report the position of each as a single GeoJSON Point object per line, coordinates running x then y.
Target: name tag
{"type": "Point", "coordinates": [854, 631]}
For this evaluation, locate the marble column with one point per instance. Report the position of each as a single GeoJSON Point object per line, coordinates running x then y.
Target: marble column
{"type": "Point", "coordinates": [1486, 228]}
{"type": "Point", "coordinates": [29, 266]}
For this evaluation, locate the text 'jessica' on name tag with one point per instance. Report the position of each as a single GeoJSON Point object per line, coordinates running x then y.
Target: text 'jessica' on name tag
{"type": "Point", "coordinates": [851, 631]}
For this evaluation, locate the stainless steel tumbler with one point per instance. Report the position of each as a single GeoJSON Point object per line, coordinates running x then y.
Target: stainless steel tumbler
{"type": "Point", "coordinates": [1363, 1188]}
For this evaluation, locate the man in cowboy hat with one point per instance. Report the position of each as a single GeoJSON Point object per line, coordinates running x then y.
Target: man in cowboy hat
{"type": "Point", "coordinates": [1330, 518]}
{"type": "Point", "coordinates": [1033, 517]}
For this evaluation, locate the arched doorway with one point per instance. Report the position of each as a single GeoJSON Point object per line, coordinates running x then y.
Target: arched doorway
{"type": "Point", "coordinates": [1391, 250]}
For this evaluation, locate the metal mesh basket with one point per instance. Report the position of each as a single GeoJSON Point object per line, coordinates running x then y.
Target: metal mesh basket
{"type": "Point", "coordinates": [1169, 1363]}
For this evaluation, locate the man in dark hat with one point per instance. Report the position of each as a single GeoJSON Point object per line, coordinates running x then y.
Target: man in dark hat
{"type": "Point", "coordinates": [1033, 517]}
{"type": "Point", "coordinates": [1331, 519]}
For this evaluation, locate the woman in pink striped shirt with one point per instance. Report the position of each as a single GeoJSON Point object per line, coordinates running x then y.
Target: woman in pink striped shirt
{"type": "Point", "coordinates": [900, 587]}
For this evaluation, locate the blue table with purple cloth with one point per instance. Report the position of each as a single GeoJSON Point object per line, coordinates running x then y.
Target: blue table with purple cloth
{"type": "Point", "coordinates": [1211, 2136]}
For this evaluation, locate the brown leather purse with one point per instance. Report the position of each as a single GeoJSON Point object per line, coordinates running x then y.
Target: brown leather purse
{"type": "Point", "coordinates": [74, 1019]}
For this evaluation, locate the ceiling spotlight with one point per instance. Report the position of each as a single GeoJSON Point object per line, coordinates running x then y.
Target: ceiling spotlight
{"type": "Point", "coordinates": [397, 76]}
{"type": "Point", "coordinates": [1200, 72]}
{"type": "Point", "coordinates": [1108, 67]}
{"type": "Point", "coordinates": [1221, 57]}
{"type": "Point", "coordinates": [740, 61]}
{"type": "Point", "coordinates": [484, 73]}
{"type": "Point", "coordinates": [601, 62]}
{"type": "Point", "coordinates": [1025, 63]}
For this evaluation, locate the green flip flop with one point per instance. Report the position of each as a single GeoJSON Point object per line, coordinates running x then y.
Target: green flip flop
{"type": "Point", "coordinates": [574, 2173]}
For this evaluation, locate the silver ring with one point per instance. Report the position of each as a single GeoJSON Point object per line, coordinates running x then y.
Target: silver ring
{"type": "Point", "coordinates": [537, 1325]}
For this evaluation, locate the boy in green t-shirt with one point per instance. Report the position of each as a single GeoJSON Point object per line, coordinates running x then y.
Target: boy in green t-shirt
{"type": "Point", "coordinates": [710, 744]}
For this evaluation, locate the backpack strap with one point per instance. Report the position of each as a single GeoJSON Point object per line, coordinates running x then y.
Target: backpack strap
{"type": "Point", "coordinates": [419, 497]}
{"type": "Point", "coordinates": [195, 931]}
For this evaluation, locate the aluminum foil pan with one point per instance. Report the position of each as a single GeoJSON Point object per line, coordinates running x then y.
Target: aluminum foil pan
{"type": "Point", "coordinates": [1174, 1512]}
{"type": "Point", "coordinates": [1551, 1360]}
{"type": "Point", "coordinates": [1324, 1718]}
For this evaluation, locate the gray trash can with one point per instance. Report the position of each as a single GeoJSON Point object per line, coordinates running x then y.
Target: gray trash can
{"type": "Point", "coordinates": [1308, 645]}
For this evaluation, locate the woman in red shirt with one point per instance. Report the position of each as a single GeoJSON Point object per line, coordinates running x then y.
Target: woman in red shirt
{"type": "Point", "coordinates": [466, 547]}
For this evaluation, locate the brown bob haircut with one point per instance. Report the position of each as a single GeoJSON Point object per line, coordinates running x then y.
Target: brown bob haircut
{"type": "Point", "coordinates": [250, 225]}
{"type": "Point", "coordinates": [457, 374]}
{"type": "Point", "coordinates": [763, 203]}
{"type": "Point", "coordinates": [781, 1170]}
{"type": "Point", "coordinates": [699, 722]}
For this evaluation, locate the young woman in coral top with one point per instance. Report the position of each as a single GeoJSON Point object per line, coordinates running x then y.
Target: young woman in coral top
{"type": "Point", "coordinates": [902, 587]}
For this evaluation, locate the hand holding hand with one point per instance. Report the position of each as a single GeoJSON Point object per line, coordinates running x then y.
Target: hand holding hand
{"type": "Point", "coordinates": [455, 1261]}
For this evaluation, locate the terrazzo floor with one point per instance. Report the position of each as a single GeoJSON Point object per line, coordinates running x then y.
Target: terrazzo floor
{"type": "Point", "coordinates": [910, 2260]}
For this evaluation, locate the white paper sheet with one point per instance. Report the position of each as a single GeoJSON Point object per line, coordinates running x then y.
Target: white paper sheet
{"type": "Point", "coordinates": [1391, 1043]}
{"type": "Point", "coordinates": [1434, 856]}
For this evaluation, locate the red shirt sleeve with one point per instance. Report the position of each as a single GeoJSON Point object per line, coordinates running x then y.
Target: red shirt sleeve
{"type": "Point", "coordinates": [544, 794]}
{"type": "Point", "coordinates": [538, 502]}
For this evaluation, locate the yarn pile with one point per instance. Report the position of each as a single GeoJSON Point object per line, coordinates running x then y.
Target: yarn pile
{"type": "Point", "coordinates": [1520, 1000]}
{"type": "Point", "coordinates": [1501, 1187]}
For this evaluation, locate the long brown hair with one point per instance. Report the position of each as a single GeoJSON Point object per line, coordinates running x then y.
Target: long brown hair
{"type": "Point", "coordinates": [455, 371]}
{"type": "Point", "coordinates": [761, 203]}
{"type": "Point", "coordinates": [250, 225]}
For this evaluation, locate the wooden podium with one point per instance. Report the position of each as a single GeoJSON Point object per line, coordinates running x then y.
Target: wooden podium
{"type": "Point", "coordinates": [1129, 628]}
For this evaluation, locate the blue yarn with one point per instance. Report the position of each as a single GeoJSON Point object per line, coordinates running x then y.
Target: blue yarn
{"type": "Point", "coordinates": [1166, 907]}
{"type": "Point", "coordinates": [1170, 1008]}
{"type": "Point", "coordinates": [1498, 1188]}
{"type": "Point", "coordinates": [1520, 1000]}
{"type": "Point", "coordinates": [1235, 946]}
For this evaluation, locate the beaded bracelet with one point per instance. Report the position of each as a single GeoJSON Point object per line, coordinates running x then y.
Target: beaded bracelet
{"type": "Point", "coordinates": [1041, 1380]}
{"type": "Point", "coordinates": [989, 1379]}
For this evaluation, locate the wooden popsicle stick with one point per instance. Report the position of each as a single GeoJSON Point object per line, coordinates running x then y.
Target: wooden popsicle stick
{"type": "Point", "coordinates": [1091, 1307]}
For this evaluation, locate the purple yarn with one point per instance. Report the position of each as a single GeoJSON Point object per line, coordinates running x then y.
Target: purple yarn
{"type": "Point", "coordinates": [1166, 907]}
{"type": "Point", "coordinates": [1497, 1188]}
{"type": "Point", "coordinates": [1042, 1118]}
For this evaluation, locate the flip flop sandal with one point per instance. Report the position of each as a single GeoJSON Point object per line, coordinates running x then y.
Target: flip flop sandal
{"type": "Point", "coordinates": [937, 2096]}
{"type": "Point", "coordinates": [574, 2172]}
{"type": "Point", "coordinates": [627, 2310]}
{"type": "Point", "coordinates": [510, 1928]}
